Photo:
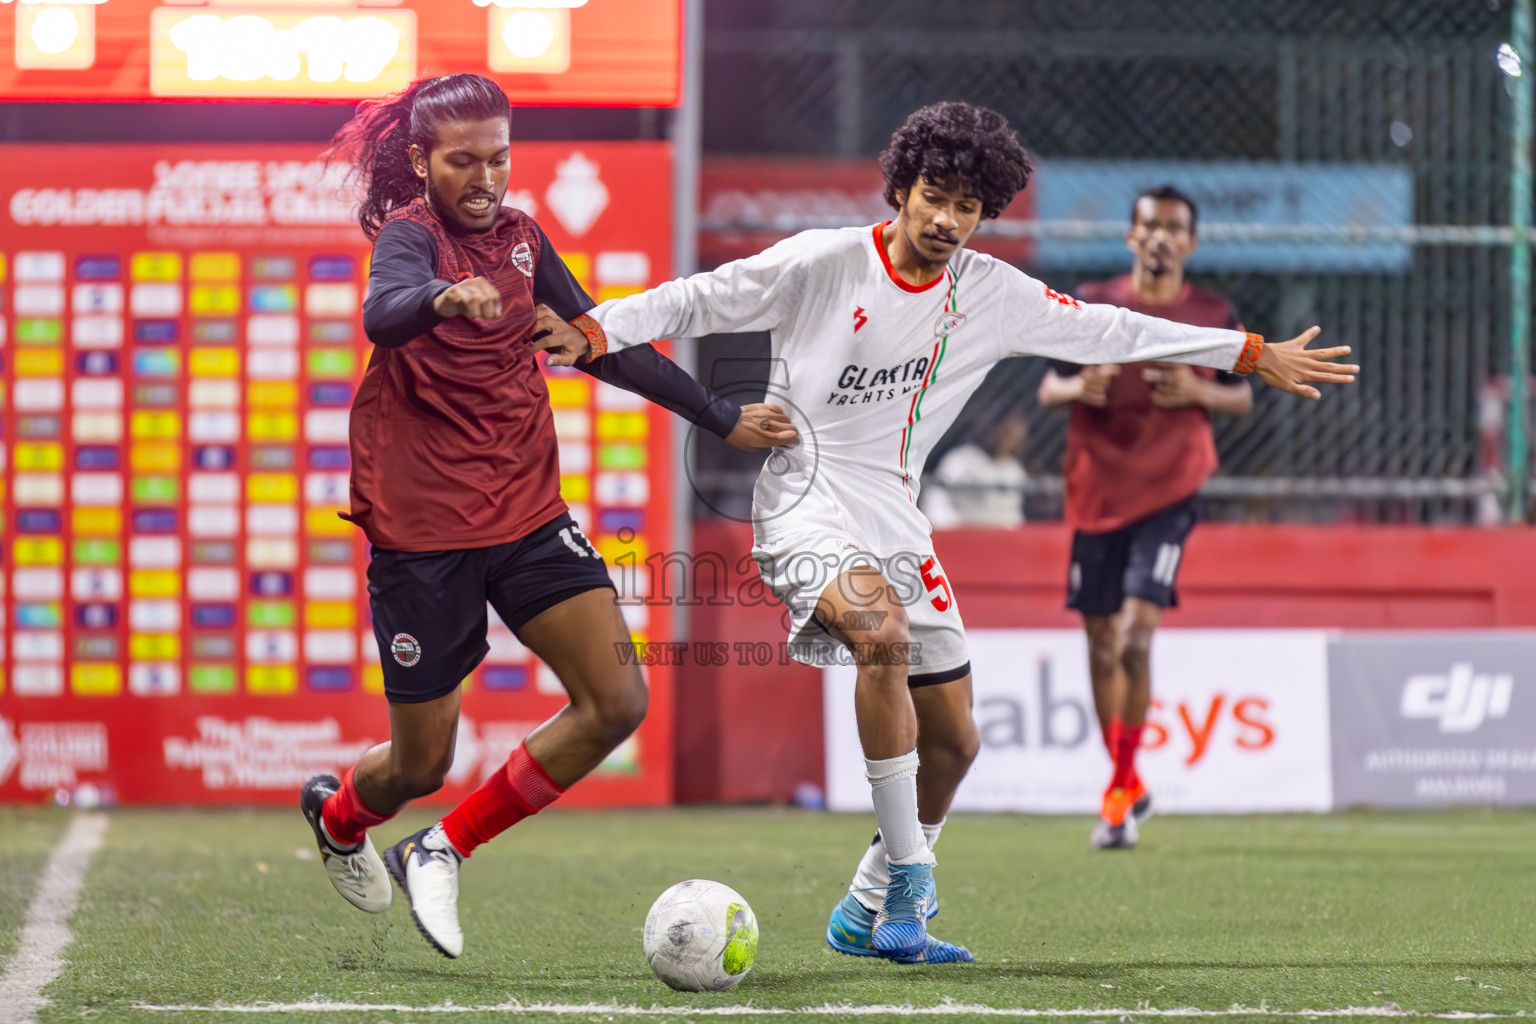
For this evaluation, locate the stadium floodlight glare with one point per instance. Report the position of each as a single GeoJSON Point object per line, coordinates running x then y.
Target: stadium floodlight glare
{"type": "Point", "coordinates": [529, 40]}
{"type": "Point", "coordinates": [528, 34]}
{"type": "Point", "coordinates": [1509, 60]}
{"type": "Point", "coordinates": [55, 36]}
{"type": "Point", "coordinates": [54, 30]}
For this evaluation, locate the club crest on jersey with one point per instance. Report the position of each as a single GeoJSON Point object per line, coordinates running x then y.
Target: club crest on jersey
{"type": "Point", "coordinates": [406, 649]}
{"type": "Point", "coordinates": [522, 258]}
{"type": "Point", "coordinates": [948, 324]}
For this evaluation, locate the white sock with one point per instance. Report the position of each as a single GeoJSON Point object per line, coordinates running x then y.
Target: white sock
{"type": "Point", "coordinates": [874, 870]}
{"type": "Point", "coordinates": [893, 783]}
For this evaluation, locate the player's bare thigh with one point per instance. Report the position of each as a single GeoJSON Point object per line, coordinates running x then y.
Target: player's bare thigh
{"type": "Point", "coordinates": [858, 608]}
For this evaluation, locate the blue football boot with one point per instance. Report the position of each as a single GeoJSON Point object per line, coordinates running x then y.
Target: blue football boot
{"type": "Point", "coordinates": [901, 926]}
{"type": "Point", "coordinates": [848, 932]}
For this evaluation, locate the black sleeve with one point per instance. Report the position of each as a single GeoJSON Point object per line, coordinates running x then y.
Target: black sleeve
{"type": "Point", "coordinates": [647, 372]}
{"type": "Point", "coordinates": [555, 286]}
{"type": "Point", "coordinates": [1065, 369]}
{"type": "Point", "coordinates": [640, 369]}
{"type": "Point", "coordinates": [402, 285]}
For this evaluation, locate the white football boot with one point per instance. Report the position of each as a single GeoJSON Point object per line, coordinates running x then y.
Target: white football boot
{"type": "Point", "coordinates": [356, 871]}
{"type": "Point", "coordinates": [427, 868]}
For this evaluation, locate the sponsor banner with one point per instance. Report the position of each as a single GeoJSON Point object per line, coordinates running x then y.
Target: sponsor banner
{"type": "Point", "coordinates": [1267, 194]}
{"type": "Point", "coordinates": [197, 751]}
{"type": "Point", "coordinates": [1425, 720]}
{"type": "Point", "coordinates": [748, 203]}
{"type": "Point", "coordinates": [1239, 724]}
{"type": "Point", "coordinates": [183, 616]}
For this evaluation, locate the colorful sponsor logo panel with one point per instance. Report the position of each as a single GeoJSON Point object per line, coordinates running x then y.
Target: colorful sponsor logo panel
{"type": "Point", "coordinates": [176, 376]}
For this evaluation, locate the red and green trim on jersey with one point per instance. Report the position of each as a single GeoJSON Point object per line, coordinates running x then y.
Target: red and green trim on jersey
{"type": "Point", "coordinates": [915, 410]}
{"type": "Point", "coordinates": [890, 271]}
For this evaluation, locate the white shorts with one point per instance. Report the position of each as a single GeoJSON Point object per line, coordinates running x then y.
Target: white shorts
{"type": "Point", "coordinates": [799, 567]}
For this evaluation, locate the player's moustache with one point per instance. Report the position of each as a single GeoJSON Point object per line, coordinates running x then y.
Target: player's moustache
{"type": "Point", "coordinates": [941, 236]}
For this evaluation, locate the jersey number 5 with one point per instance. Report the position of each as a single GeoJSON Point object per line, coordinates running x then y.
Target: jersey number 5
{"type": "Point", "coordinates": [933, 580]}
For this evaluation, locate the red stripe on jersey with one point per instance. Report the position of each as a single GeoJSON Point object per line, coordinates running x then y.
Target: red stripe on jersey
{"type": "Point", "coordinates": [890, 271]}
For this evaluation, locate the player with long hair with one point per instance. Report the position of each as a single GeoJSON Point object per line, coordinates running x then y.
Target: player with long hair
{"type": "Point", "coordinates": [456, 483]}
{"type": "Point", "coordinates": [884, 331]}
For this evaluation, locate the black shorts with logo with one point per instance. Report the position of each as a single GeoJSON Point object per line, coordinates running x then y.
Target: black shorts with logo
{"type": "Point", "coordinates": [429, 606]}
{"type": "Point", "coordinates": [1140, 559]}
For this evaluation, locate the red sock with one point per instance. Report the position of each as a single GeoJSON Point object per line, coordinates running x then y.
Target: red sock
{"type": "Point", "coordinates": [1127, 740]}
{"type": "Point", "coordinates": [516, 790]}
{"type": "Point", "coordinates": [1107, 734]}
{"type": "Point", "coordinates": [346, 817]}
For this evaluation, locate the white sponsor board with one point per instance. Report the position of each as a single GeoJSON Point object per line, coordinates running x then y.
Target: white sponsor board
{"type": "Point", "coordinates": [1239, 724]}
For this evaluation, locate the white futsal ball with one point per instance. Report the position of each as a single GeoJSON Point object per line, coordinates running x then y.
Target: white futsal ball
{"type": "Point", "coordinates": [700, 936]}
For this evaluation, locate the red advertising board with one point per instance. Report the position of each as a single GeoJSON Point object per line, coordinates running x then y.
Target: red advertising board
{"type": "Point", "coordinates": [553, 53]}
{"type": "Point", "coordinates": [185, 616]}
{"type": "Point", "coordinates": [748, 203]}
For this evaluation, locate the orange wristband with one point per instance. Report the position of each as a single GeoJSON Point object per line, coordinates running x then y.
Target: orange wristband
{"type": "Point", "coordinates": [1250, 357]}
{"type": "Point", "coordinates": [596, 338]}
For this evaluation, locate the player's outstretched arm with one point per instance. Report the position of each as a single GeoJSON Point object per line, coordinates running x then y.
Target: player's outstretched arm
{"type": "Point", "coordinates": [759, 293]}
{"type": "Point", "coordinates": [645, 371]}
{"type": "Point", "coordinates": [403, 288]}
{"type": "Point", "coordinates": [1054, 324]}
{"type": "Point", "coordinates": [1291, 366]}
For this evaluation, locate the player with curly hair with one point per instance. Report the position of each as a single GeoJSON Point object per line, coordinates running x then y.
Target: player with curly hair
{"type": "Point", "coordinates": [456, 482]}
{"type": "Point", "coordinates": [884, 332]}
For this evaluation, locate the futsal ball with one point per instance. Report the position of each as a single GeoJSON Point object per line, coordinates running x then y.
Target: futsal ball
{"type": "Point", "coordinates": [700, 936]}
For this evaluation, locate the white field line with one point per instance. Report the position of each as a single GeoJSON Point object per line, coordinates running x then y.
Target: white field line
{"type": "Point", "coordinates": [45, 930]}
{"type": "Point", "coordinates": [825, 1010]}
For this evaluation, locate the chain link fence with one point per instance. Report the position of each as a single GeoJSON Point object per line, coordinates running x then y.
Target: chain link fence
{"type": "Point", "coordinates": [1370, 91]}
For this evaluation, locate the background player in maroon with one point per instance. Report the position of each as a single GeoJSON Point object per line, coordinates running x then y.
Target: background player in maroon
{"type": "Point", "coordinates": [455, 480]}
{"type": "Point", "coordinates": [1139, 446]}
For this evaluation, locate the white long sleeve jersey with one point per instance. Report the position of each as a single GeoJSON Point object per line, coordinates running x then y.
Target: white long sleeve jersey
{"type": "Point", "coordinates": [873, 370]}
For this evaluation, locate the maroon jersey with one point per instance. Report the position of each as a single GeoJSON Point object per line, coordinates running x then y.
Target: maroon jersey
{"type": "Point", "coordinates": [453, 442]}
{"type": "Point", "coordinates": [1131, 458]}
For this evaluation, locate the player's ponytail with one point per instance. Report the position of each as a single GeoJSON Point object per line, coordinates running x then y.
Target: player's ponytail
{"type": "Point", "coordinates": [377, 141]}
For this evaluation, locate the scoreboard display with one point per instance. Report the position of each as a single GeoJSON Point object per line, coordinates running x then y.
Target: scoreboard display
{"type": "Point", "coordinates": [549, 52]}
{"type": "Point", "coordinates": [185, 616]}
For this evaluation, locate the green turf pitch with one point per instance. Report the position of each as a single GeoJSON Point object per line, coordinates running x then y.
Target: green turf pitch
{"type": "Point", "coordinates": [1431, 913]}
{"type": "Point", "coordinates": [25, 840]}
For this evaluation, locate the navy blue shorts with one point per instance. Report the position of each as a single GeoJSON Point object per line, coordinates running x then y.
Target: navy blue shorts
{"type": "Point", "coordinates": [429, 606]}
{"type": "Point", "coordinates": [1138, 560]}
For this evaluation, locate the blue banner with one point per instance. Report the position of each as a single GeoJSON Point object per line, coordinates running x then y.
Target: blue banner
{"type": "Point", "coordinates": [1324, 197]}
